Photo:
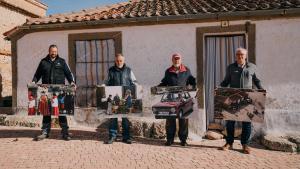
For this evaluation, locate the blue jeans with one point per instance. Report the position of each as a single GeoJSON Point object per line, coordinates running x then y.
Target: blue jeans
{"type": "Point", "coordinates": [113, 128]}
{"type": "Point", "coordinates": [246, 132]}
{"type": "Point", "coordinates": [63, 123]}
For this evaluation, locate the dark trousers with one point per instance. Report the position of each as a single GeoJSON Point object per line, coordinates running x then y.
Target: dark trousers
{"type": "Point", "coordinates": [63, 123]}
{"type": "Point", "coordinates": [246, 132]}
{"type": "Point", "coordinates": [171, 129]}
{"type": "Point", "coordinates": [113, 128]}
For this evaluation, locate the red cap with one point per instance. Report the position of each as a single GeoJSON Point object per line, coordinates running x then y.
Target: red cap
{"type": "Point", "coordinates": [176, 56]}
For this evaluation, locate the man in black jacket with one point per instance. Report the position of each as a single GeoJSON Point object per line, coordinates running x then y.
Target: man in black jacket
{"type": "Point", "coordinates": [53, 70]}
{"type": "Point", "coordinates": [240, 74]}
{"type": "Point", "coordinates": [177, 75]}
{"type": "Point", "coordinates": [120, 75]}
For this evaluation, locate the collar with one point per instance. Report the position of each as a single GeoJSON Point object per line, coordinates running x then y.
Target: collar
{"type": "Point", "coordinates": [120, 69]}
{"type": "Point", "coordinates": [173, 69]}
{"type": "Point", "coordinates": [237, 65]}
{"type": "Point", "coordinates": [49, 58]}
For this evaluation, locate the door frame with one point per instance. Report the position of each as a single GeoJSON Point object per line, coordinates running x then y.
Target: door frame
{"type": "Point", "coordinates": [201, 32]}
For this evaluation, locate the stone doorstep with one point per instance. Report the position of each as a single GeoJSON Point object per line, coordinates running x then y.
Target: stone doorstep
{"type": "Point", "coordinates": [279, 143]}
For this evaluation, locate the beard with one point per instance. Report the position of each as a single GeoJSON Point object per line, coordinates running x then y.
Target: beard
{"type": "Point", "coordinates": [176, 65]}
{"type": "Point", "coordinates": [53, 55]}
{"type": "Point", "coordinates": [120, 66]}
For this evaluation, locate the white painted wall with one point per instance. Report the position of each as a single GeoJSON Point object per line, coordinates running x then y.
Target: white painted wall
{"type": "Point", "coordinates": [148, 50]}
{"type": "Point", "coordinates": [277, 49]}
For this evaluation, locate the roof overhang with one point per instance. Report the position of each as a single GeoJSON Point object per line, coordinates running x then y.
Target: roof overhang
{"type": "Point", "coordinates": [238, 15]}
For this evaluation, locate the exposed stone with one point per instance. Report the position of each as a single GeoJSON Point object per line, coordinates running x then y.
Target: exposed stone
{"type": "Point", "coordinates": [2, 119]}
{"type": "Point", "coordinates": [296, 140]}
{"type": "Point", "coordinates": [147, 129]}
{"type": "Point", "coordinates": [215, 126]}
{"type": "Point", "coordinates": [137, 128]}
{"type": "Point", "coordinates": [213, 135]}
{"type": "Point", "coordinates": [159, 130]}
{"type": "Point", "coordinates": [278, 143]}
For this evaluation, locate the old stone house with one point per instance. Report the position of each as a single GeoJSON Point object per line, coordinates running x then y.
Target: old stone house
{"type": "Point", "coordinates": [13, 13]}
{"type": "Point", "coordinates": [148, 32]}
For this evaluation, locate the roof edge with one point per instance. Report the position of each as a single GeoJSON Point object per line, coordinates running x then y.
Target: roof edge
{"type": "Point", "coordinates": [158, 19]}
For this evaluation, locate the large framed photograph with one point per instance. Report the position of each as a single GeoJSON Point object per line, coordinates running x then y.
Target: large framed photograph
{"type": "Point", "coordinates": [119, 101]}
{"type": "Point", "coordinates": [175, 101]}
{"type": "Point", "coordinates": [240, 104]}
{"type": "Point", "coordinates": [47, 100]}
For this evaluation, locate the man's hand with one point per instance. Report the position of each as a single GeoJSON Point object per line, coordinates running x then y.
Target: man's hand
{"type": "Point", "coordinates": [73, 85]}
{"type": "Point", "coordinates": [189, 87]}
{"type": "Point", "coordinates": [31, 83]}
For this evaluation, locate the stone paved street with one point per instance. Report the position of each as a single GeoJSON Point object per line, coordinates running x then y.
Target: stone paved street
{"type": "Point", "coordinates": [87, 151]}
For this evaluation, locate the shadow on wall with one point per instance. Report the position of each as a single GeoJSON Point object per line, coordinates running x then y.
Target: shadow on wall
{"type": "Point", "coordinates": [7, 100]}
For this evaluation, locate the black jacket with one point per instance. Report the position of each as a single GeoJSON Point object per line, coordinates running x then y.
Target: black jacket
{"type": "Point", "coordinates": [53, 72]}
{"type": "Point", "coordinates": [181, 78]}
{"type": "Point", "coordinates": [120, 76]}
{"type": "Point", "coordinates": [237, 77]}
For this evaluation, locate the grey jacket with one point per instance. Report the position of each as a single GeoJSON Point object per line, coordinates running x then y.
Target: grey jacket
{"type": "Point", "coordinates": [237, 77]}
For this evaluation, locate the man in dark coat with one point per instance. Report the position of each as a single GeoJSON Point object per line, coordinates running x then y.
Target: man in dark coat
{"type": "Point", "coordinates": [120, 75]}
{"type": "Point", "coordinates": [53, 70]}
{"type": "Point", "coordinates": [177, 75]}
{"type": "Point", "coordinates": [240, 74]}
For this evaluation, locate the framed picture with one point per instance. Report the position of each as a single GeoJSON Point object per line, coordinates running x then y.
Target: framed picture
{"type": "Point", "coordinates": [239, 104]}
{"type": "Point", "coordinates": [119, 101]}
{"type": "Point", "coordinates": [47, 100]}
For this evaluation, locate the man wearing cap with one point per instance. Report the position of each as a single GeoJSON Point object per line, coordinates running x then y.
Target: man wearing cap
{"type": "Point", "coordinates": [177, 75]}
{"type": "Point", "coordinates": [240, 74]}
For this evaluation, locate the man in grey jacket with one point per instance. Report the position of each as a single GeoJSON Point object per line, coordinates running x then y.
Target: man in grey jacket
{"type": "Point", "coordinates": [240, 74]}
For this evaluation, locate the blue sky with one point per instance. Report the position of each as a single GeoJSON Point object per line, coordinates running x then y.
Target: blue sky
{"type": "Point", "coordinates": [66, 6]}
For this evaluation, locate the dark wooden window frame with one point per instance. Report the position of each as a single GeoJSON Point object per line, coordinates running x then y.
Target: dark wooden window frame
{"type": "Point", "coordinates": [116, 36]}
{"type": "Point", "coordinates": [248, 29]}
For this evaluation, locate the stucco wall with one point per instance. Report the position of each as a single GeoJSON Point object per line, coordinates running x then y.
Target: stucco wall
{"type": "Point", "coordinates": [148, 49]}
{"type": "Point", "coordinates": [277, 48]}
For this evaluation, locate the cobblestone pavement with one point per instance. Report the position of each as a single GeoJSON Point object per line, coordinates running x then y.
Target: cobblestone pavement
{"type": "Point", "coordinates": [87, 151]}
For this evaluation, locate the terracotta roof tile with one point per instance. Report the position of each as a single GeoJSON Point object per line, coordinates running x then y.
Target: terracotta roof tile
{"type": "Point", "coordinates": [150, 8]}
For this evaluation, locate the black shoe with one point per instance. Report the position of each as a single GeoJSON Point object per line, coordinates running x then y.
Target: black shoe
{"type": "Point", "coordinates": [183, 143]}
{"type": "Point", "coordinates": [110, 141]}
{"type": "Point", "coordinates": [169, 143]}
{"type": "Point", "coordinates": [127, 141]}
{"type": "Point", "coordinates": [66, 137]}
{"type": "Point", "coordinates": [41, 137]}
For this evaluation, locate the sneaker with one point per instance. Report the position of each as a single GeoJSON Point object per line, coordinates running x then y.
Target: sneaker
{"type": "Point", "coordinates": [66, 137]}
{"type": "Point", "coordinates": [169, 143]}
{"type": "Point", "coordinates": [183, 143]}
{"type": "Point", "coordinates": [41, 137]}
{"type": "Point", "coordinates": [110, 141]}
{"type": "Point", "coordinates": [127, 141]}
{"type": "Point", "coordinates": [226, 147]}
{"type": "Point", "coordinates": [246, 149]}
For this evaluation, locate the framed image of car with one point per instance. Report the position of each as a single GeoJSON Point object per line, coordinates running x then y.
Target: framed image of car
{"type": "Point", "coordinates": [177, 104]}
